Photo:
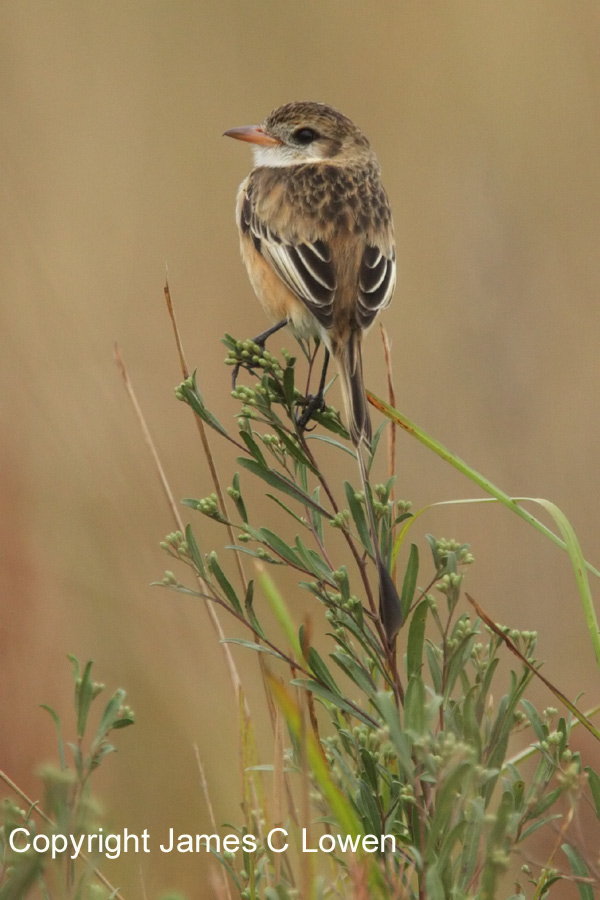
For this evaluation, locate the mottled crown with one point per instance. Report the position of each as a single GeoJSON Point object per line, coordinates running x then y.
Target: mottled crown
{"type": "Point", "coordinates": [335, 130]}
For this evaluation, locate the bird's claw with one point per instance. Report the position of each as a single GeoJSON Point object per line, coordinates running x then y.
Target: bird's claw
{"type": "Point", "coordinates": [312, 404]}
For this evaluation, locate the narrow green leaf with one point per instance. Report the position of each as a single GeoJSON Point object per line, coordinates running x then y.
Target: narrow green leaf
{"type": "Point", "coordinates": [580, 870]}
{"type": "Point", "coordinates": [290, 512]}
{"type": "Point", "coordinates": [249, 607]}
{"type": "Point", "coordinates": [358, 515]}
{"type": "Point", "coordinates": [224, 583]}
{"type": "Point", "coordinates": [77, 759]}
{"type": "Point", "coordinates": [539, 728]}
{"type": "Point", "coordinates": [277, 544]}
{"type": "Point", "coordinates": [437, 563]}
{"type": "Point", "coordinates": [370, 771]}
{"type": "Point", "coordinates": [313, 562]}
{"type": "Point", "coordinates": [254, 449]}
{"type": "Point", "coordinates": [434, 883]}
{"type": "Point", "coordinates": [238, 499]}
{"type": "Point", "coordinates": [469, 856]}
{"type": "Point", "coordinates": [486, 686]}
{"type": "Point", "coordinates": [539, 823]}
{"type": "Point", "coordinates": [84, 695]}
{"type": "Point", "coordinates": [374, 445]}
{"type": "Point", "coordinates": [414, 706]}
{"type": "Point", "coordinates": [458, 660]}
{"type": "Point", "coordinates": [58, 726]}
{"type": "Point", "coordinates": [365, 638]}
{"type": "Point", "coordinates": [301, 473]}
{"type": "Point", "coordinates": [99, 755]}
{"type": "Point", "coordinates": [252, 645]}
{"type": "Point", "coordinates": [331, 423]}
{"type": "Point", "coordinates": [471, 729]}
{"type": "Point", "coordinates": [288, 386]}
{"type": "Point", "coordinates": [448, 792]}
{"type": "Point", "coordinates": [316, 517]}
{"type": "Point", "coordinates": [561, 729]}
{"type": "Point", "coordinates": [444, 857]}
{"type": "Point", "coordinates": [336, 699]}
{"type": "Point", "coordinates": [402, 741]}
{"type": "Point", "coordinates": [111, 713]}
{"type": "Point", "coordinates": [75, 663]}
{"type": "Point", "coordinates": [594, 783]}
{"type": "Point", "coordinates": [434, 667]}
{"type": "Point", "coordinates": [194, 551]}
{"type": "Point", "coordinates": [123, 722]}
{"type": "Point", "coordinates": [295, 450]}
{"type": "Point", "coordinates": [274, 479]}
{"type": "Point", "coordinates": [367, 808]}
{"type": "Point", "coordinates": [343, 583]}
{"type": "Point", "coordinates": [545, 803]}
{"type": "Point", "coordinates": [262, 554]}
{"type": "Point", "coordinates": [416, 638]}
{"type": "Point", "coordinates": [189, 393]}
{"type": "Point", "coordinates": [327, 440]}
{"type": "Point", "coordinates": [355, 671]}
{"type": "Point", "coordinates": [320, 671]}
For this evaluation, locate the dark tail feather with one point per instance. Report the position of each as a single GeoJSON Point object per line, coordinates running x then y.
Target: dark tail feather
{"type": "Point", "coordinates": [390, 607]}
{"type": "Point", "coordinates": [349, 359]}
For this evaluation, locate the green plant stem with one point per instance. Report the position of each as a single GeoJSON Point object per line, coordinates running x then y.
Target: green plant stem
{"type": "Point", "coordinates": [360, 562]}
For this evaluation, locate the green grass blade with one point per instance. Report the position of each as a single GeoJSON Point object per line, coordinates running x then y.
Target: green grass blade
{"type": "Point", "coordinates": [470, 473]}
{"type": "Point", "coordinates": [568, 541]}
{"type": "Point", "coordinates": [280, 610]}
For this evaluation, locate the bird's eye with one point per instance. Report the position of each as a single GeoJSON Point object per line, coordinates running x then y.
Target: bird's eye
{"type": "Point", "coordinates": [305, 136]}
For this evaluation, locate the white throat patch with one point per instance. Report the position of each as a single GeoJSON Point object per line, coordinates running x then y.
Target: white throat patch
{"type": "Point", "coordinates": [280, 156]}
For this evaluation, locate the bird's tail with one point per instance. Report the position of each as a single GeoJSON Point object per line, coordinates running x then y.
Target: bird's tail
{"type": "Point", "coordinates": [349, 360]}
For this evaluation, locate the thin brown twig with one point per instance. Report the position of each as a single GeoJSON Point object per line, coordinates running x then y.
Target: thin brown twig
{"type": "Point", "coordinates": [217, 485]}
{"type": "Point", "coordinates": [203, 436]}
{"type": "Point", "coordinates": [211, 814]}
{"type": "Point", "coordinates": [261, 640]}
{"type": "Point", "coordinates": [221, 499]}
{"type": "Point", "coordinates": [204, 587]}
{"type": "Point", "coordinates": [233, 672]}
{"type": "Point", "coordinates": [387, 352]}
{"type": "Point", "coordinates": [143, 884]}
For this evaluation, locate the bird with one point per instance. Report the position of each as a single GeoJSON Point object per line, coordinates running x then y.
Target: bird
{"type": "Point", "coordinates": [317, 237]}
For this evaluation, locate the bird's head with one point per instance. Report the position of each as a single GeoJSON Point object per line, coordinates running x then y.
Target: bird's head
{"type": "Point", "coordinates": [305, 132]}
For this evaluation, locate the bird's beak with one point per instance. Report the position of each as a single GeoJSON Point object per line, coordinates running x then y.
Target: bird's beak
{"type": "Point", "coordinates": [253, 134]}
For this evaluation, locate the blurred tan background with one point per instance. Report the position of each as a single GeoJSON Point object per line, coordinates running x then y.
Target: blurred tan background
{"type": "Point", "coordinates": [486, 121]}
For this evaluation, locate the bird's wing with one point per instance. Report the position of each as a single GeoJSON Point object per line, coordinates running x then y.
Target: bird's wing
{"type": "Point", "coordinates": [306, 267]}
{"type": "Point", "coordinates": [309, 270]}
{"type": "Point", "coordinates": [376, 283]}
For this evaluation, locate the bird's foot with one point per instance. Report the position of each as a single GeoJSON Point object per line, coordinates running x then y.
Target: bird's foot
{"type": "Point", "coordinates": [313, 403]}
